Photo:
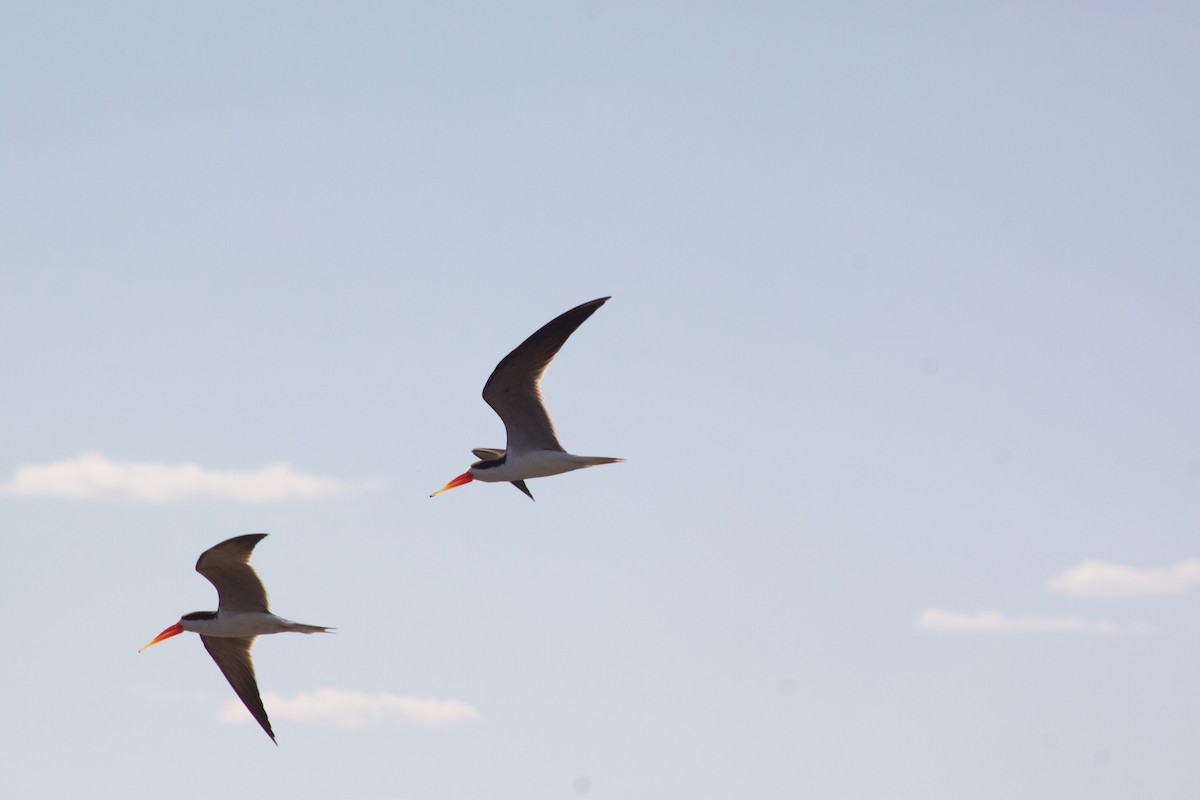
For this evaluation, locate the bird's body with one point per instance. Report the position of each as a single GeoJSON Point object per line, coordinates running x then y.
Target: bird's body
{"type": "Point", "coordinates": [514, 392]}
{"type": "Point", "coordinates": [533, 464]}
{"type": "Point", "coordinates": [248, 623]}
{"type": "Point", "coordinates": [241, 615]}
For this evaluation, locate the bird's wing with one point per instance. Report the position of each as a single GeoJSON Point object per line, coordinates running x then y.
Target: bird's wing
{"type": "Point", "coordinates": [226, 567]}
{"type": "Point", "coordinates": [232, 654]}
{"type": "Point", "coordinates": [487, 453]}
{"type": "Point", "coordinates": [514, 388]}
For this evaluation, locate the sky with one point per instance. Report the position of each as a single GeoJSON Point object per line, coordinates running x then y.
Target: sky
{"type": "Point", "coordinates": [901, 355]}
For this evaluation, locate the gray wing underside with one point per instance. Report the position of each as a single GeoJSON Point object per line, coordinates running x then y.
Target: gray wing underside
{"type": "Point", "coordinates": [232, 654]}
{"type": "Point", "coordinates": [226, 567]}
{"type": "Point", "coordinates": [514, 388]}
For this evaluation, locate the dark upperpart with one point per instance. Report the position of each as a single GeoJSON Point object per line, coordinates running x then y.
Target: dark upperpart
{"type": "Point", "coordinates": [488, 463]}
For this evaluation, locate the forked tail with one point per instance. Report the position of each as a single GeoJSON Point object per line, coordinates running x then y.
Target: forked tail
{"type": "Point", "coordinates": [300, 627]}
{"type": "Point", "coordinates": [595, 461]}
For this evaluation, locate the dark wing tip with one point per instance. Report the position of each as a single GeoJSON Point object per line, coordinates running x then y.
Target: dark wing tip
{"type": "Point", "coordinates": [264, 721]}
{"type": "Point", "coordinates": [250, 539]}
{"type": "Point", "coordinates": [591, 305]}
{"type": "Point", "coordinates": [239, 548]}
{"type": "Point", "coordinates": [531, 357]}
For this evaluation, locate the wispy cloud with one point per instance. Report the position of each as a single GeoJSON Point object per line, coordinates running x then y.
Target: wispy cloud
{"type": "Point", "coordinates": [341, 708]}
{"type": "Point", "coordinates": [937, 620]}
{"type": "Point", "coordinates": [92, 476]}
{"type": "Point", "coordinates": [1099, 579]}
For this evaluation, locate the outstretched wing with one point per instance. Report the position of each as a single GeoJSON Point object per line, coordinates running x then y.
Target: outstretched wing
{"type": "Point", "coordinates": [232, 654]}
{"type": "Point", "coordinates": [514, 388]}
{"type": "Point", "coordinates": [227, 567]}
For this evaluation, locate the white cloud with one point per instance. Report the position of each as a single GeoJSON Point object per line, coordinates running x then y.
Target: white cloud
{"type": "Point", "coordinates": [92, 476]}
{"type": "Point", "coordinates": [935, 619]}
{"type": "Point", "coordinates": [1098, 579]}
{"type": "Point", "coordinates": [340, 708]}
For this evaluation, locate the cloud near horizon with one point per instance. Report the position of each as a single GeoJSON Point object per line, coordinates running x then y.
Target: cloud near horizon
{"type": "Point", "coordinates": [940, 621]}
{"type": "Point", "coordinates": [1100, 579]}
{"type": "Point", "coordinates": [92, 476]}
{"type": "Point", "coordinates": [344, 709]}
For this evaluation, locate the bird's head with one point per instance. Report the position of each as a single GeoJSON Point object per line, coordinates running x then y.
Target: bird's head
{"type": "Point", "coordinates": [490, 462]}
{"type": "Point", "coordinates": [188, 622]}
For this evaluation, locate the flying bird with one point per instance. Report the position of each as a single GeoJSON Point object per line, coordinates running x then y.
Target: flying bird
{"type": "Point", "coordinates": [241, 615]}
{"type": "Point", "coordinates": [514, 393]}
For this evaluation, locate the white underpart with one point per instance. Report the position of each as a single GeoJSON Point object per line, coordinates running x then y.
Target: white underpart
{"type": "Point", "coordinates": [536, 464]}
{"type": "Point", "coordinates": [251, 623]}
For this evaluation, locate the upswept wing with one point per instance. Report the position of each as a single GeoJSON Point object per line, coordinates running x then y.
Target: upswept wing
{"type": "Point", "coordinates": [232, 654]}
{"type": "Point", "coordinates": [514, 388]}
{"type": "Point", "coordinates": [226, 567]}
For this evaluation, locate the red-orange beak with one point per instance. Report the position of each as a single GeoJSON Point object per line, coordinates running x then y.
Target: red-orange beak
{"type": "Point", "coordinates": [459, 481]}
{"type": "Point", "coordinates": [174, 630]}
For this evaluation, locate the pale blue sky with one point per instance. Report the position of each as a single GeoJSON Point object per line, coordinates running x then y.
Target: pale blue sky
{"type": "Point", "coordinates": [905, 325]}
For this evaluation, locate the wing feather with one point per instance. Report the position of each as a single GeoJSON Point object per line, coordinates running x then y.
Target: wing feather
{"type": "Point", "coordinates": [232, 654]}
{"type": "Point", "coordinates": [226, 566]}
{"type": "Point", "coordinates": [514, 388]}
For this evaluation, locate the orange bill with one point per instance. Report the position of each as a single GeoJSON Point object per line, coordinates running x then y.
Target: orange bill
{"type": "Point", "coordinates": [459, 481]}
{"type": "Point", "coordinates": [174, 630]}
